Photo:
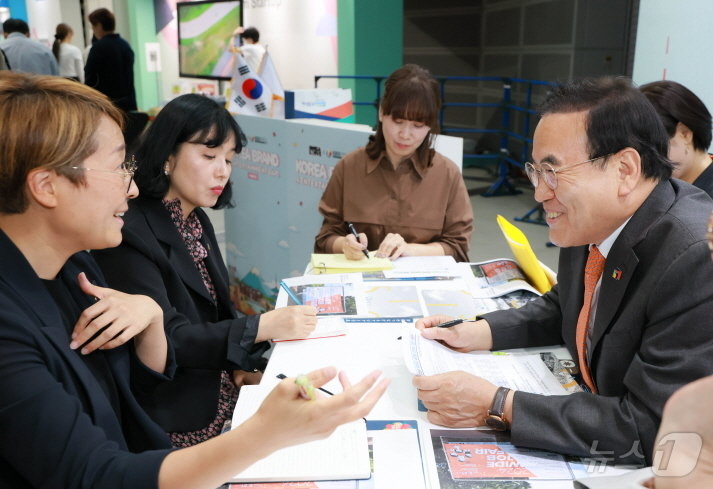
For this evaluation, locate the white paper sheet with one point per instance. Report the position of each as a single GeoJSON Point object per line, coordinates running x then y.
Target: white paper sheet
{"type": "Point", "coordinates": [327, 327]}
{"type": "Point", "coordinates": [524, 372]}
{"type": "Point", "coordinates": [342, 455]}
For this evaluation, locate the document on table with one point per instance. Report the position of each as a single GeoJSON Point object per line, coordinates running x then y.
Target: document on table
{"type": "Point", "coordinates": [343, 455]}
{"type": "Point", "coordinates": [524, 372]}
{"type": "Point", "coordinates": [327, 327]}
{"type": "Point", "coordinates": [433, 267]}
{"type": "Point", "coordinates": [335, 295]}
{"type": "Point", "coordinates": [629, 480]}
{"type": "Point", "coordinates": [495, 278]}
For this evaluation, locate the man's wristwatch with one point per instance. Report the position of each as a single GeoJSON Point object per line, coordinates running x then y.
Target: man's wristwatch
{"type": "Point", "coordinates": [496, 413]}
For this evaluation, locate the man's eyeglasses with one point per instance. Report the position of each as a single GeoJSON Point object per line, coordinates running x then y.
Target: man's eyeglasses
{"type": "Point", "coordinates": [549, 173]}
{"type": "Point", "coordinates": [128, 169]}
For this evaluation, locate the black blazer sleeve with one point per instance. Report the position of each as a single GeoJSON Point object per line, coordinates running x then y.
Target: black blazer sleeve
{"type": "Point", "coordinates": [47, 438]}
{"type": "Point", "coordinates": [139, 266]}
{"type": "Point", "coordinates": [58, 429]}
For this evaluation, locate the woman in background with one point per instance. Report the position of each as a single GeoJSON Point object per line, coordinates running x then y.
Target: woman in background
{"type": "Point", "coordinates": [688, 124]}
{"type": "Point", "coordinates": [170, 253]}
{"type": "Point", "coordinates": [403, 197]}
{"type": "Point", "coordinates": [69, 56]}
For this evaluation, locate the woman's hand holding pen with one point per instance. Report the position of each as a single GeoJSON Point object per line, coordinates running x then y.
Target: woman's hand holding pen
{"type": "Point", "coordinates": [287, 323]}
{"type": "Point", "coordinates": [116, 318]}
{"type": "Point", "coordinates": [465, 337]}
{"type": "Point", "coordinates": [285, 418]}
{"type": "Point", "coordinates": [353, 249]}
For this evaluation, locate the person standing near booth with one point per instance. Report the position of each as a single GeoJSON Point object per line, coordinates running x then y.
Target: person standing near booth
{"type": "Point", "coordinates": [24, 54]}
{"type": "Point", "coordinates": [69, 56]}
{"type": "Point", "coordinates": [110, 62]}
{"type": "Point", "coordinates": [402, 197]}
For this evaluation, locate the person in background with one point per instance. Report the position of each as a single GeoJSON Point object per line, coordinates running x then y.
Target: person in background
{"type": "Point", "coordinates": [688, 124]}
{"type": "Point", "coordinates": [403, 197]}
{"type": "Point", "coordinates": [69, 56]}
{"type": "Point", "coordinates": [85, 52]}
{"type": "Point", "coordinates": [634, 299]}
{"type": "Point", "coordinates": [110, 63]}
{"type": "Point", "coordinates": [251, 49]}
{"type": "Point", "coordinates": [73, 351]}
{"type": "Point", "coordinates": [170, 253]}
{"type": "Point", "coordinates": [24, 54]}
{"type": "Point", "coordinates": [4, 64]}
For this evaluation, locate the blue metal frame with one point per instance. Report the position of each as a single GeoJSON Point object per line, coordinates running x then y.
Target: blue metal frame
{"type": "Point", "coordinates": [502, 184]}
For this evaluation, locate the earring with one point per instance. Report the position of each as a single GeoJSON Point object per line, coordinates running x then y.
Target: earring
{"type": "Point", "coordinates": [165, 169]}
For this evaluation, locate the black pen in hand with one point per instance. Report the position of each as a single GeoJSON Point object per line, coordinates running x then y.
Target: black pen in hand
{"type": "Point", "coordinates": [451, 323]}
{"type": "Point", "coordinates": [350, 226]}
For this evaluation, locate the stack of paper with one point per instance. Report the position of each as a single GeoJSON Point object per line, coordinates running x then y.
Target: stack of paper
{"type": "Point", "coordinates": [344, 455]}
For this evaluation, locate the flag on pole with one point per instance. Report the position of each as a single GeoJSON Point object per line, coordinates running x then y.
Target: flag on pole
{"type": "Point", "coordinates": [248, 94]}
{"type": "Point", "coordinates": [269, 76]}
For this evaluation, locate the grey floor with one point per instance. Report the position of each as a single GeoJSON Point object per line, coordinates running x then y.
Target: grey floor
{"type": "Point", "coordinates": [487, 241]}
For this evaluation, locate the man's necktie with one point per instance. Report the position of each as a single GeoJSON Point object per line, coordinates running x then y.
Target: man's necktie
{"type": "Point", "coordinates": [592, 271]}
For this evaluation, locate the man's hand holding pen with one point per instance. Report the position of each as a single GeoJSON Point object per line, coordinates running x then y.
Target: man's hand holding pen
{"type": "Point", "coordinates": [463, 336]}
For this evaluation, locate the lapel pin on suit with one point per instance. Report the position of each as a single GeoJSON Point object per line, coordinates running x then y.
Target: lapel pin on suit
{"type": "Point", "coordinates": [616, 275]}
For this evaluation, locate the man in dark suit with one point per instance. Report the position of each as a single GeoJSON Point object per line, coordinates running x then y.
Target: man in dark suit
{"type": "Point", "coordinates": [110, 64]}
{"type": "Point", "coordinates": [634, 300]}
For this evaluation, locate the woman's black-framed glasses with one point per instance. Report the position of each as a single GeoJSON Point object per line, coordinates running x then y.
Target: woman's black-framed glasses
{"type": "Point", "coordinates": [128, 169]}
{"type": "Point", "coordinates": [549, 173]}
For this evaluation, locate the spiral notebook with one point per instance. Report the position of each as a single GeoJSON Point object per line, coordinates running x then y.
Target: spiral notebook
{"type": "Point", "coordinates": [344, 455]}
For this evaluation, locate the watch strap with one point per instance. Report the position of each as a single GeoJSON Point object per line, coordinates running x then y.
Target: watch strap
{"type": "Point", "coordinates": [497, 408]}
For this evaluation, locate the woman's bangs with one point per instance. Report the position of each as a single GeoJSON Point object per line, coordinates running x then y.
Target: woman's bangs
{"type": "Point", "coordinates": [413, 105]}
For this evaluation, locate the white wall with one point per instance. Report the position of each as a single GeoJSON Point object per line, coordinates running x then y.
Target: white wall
{"type": "Point", "coordinates": [301, 36]}
{"type": "Point", "coordinates": [674, 42]}
{"type": "Point", "coordinates": [42, 17]}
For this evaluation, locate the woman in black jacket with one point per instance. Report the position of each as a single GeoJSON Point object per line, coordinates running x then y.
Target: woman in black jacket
{"type": "Point", "coordinates": [169, 252]}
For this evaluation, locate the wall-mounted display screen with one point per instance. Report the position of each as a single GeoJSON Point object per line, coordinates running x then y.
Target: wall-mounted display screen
{"type": "Point", "coordinates": [204, 36]}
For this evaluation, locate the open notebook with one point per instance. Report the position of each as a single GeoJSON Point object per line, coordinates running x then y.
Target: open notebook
{"type": "Point", "coordinates": [344, 455]}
